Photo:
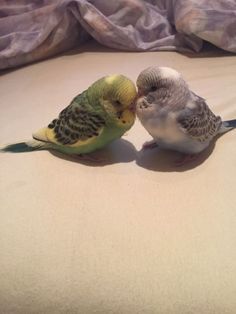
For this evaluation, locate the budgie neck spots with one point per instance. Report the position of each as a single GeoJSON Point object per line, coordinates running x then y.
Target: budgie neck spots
{"type": "Point", "coordinates": [126, 119]}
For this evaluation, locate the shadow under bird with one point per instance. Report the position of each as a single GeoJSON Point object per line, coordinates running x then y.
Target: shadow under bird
{"type": "Point", "coordinates": [174, 116]}
{"type": "Point", "coordinates": [93, 119]}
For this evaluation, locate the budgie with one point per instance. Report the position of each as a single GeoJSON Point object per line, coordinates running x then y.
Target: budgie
{"type": "Point", "coordinates": [93, 119]}
{"type": "Point", "coordinates": [174, 116]}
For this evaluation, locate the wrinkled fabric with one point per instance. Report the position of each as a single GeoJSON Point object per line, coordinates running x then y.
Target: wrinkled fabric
{"type": "Point", "coordinates": [33, 30]}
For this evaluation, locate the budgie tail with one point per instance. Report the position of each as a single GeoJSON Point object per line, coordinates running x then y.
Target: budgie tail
{"type": "Point", "coordinates": [25, 147]}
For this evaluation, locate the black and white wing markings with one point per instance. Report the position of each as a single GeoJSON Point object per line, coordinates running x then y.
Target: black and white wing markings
{"type": "Point", "coordinates": [75, 123]}
{"type": "Point", "coordinates": [200, 123]}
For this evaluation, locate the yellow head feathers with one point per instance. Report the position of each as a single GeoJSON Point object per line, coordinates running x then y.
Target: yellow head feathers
{"type": "Point", "coordinates": [119, 90]}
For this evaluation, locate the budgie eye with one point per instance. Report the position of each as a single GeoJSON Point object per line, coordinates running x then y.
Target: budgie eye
{"type": "Point", "coordinates": [118, 103]}
{"type": "Point", "coordinates": [153, 88]}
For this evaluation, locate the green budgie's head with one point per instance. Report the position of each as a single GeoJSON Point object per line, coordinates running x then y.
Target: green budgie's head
{"type": "Point", "coordinates": [117, 93]}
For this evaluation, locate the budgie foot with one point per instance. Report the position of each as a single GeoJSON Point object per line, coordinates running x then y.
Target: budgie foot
{"type": "Point", "coordinates": [150, 145]}
{"type": "Point", "coordinates": [90, 158]}
{"type": "Point", "coordinates": [185, 159]}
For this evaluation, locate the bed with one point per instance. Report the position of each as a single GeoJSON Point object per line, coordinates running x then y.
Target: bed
{"type": "Point", "coordinates": [134, 234]}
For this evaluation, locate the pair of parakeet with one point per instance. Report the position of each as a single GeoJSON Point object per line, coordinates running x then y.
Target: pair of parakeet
{"type": "Point", "coordinates": [173, 115]}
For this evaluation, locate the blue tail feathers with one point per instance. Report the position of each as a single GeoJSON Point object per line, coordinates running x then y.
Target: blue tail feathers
{"type": "Point", "coordinates": [18, 148]}
{"type": "Point", "coordinates": [230, 123]}
{"type": "Point", "coordinates": [23, 147]}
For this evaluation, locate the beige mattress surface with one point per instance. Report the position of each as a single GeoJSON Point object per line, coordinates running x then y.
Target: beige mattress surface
{"type": "Point", "coordinates": [133, 235]}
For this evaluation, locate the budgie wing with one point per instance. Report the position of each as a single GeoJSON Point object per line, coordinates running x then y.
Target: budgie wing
{"type": "Point", "coordinates": [198, 121]}
{"type": "Point", "coordinates": [76, 125]}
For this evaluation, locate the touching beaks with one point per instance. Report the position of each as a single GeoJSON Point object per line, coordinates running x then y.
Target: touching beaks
{"type": "Point", "coordinates": [132, 107]}
{"type": "Point", "coordinates": [140, 93]}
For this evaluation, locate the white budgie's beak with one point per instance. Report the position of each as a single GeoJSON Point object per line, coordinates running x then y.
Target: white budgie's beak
{"type": "Point", "coordinates": [140, 93]}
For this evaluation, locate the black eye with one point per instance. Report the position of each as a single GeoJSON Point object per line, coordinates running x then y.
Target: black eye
{"type": "Point", "coordinates": [118, 103]}
{"type": "Point", "coordinates": [153, 88]}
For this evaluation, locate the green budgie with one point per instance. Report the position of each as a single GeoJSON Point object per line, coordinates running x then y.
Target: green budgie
{"type": "Point", "coordinates": [94, 118]}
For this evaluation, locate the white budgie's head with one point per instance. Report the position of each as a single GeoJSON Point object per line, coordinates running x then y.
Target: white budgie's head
{"type": "Point", "coordinates": [160, 87]}
{"type": "Point", "coordinates": [154, 78]}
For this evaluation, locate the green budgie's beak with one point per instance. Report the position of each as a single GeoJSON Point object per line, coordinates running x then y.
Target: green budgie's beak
{"type": "Point", "coordinates": [132, 106]}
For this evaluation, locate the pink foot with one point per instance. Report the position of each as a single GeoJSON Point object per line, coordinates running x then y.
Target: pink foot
{"type": "Point", "coordinates": [185, 159]}
{"type": "Point", "coordinates": [150, 145]}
